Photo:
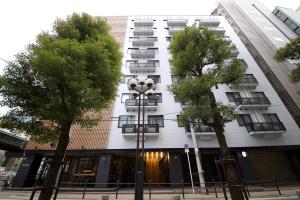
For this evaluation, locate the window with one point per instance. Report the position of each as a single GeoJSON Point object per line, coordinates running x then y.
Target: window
{"type": "Point", "coordinates": [126, 119]}
{"type": "Point", "coordinates": [126, 96]}
{"type": "Point", "coordinates": [232, 96]}
{"type": "Point", "coordinates": [168, 38]}
{"type": "Point", "coordinates": [126, 78]}
{"type": "Point", "coordinates": [87, 165]}
{"type": "Point", "coordinates": [271, 117]}
{"type": "Point", "coordinates": [293, 26]}
{"type": "Point", "coordinates": [244, 119]}
{"type": "Point", "coordinates": [278, 14]}
{"type": "Point", "coordinates": [283, 17]}
{"type": "Point", "coordinates": [175, 78]}
{"type": "Point", "coordinates": [297, 31]}
{"type": "Point", "coordinates": [156, 119]}
{"type": "Point", "coordinates": [275, 11]}
{"type": "Point", "coordinates": [258, 94]}
{"type": "Point", "coordinates": [155, 78]}
{"type": "Point", "coordinates": [288, 22]}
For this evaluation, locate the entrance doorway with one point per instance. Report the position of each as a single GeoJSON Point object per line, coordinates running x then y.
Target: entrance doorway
{"type": "Point", "coordinates": [156, 167]}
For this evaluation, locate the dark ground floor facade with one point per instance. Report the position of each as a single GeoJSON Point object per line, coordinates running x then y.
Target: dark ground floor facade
{"type": "Point", "coordinates": [162, 166]}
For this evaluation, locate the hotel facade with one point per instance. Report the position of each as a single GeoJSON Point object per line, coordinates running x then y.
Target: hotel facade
{"type": "Point", "coordinates": [265, 139]}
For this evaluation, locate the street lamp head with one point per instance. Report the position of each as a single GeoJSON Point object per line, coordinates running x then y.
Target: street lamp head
{"type": "Point", "coordinates": [149, 82]}
{"type": "Point", "coordinates": [142, 82]}
{"type": "Point", "coordinates": [134, 93]}
{"type": "Point", "coordinates": [133, 83]}
{"type": "Point", "coordinates": [149, 92]}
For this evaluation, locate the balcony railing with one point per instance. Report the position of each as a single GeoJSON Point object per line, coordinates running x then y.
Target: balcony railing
{"type": "Point", "coordinates": [234, 53]}
{"type": "Point", "coordinates": [219, 30]}
{"type": "Point", "coordinates": [228, 40]}
{"type": "Point", "coordinates": [252, 103]}
{"type": "Point", "coordinates": [133, 104]}
{"type": "Point", "coordinates": [142, 67]}
{"type": "Point", "coordinates": [143, 31]}
{"type": "Point", "coordinates": [265, 128]}
{"type": "Point", "coordinates": [201, 131]}
{"type": "Point", "coordinates": [142, 53]}
{"type": "Point", "coordinates": [177, 22]}
{"type": "Point", "coordinates": [245, 83]}
{"type": "Point", "coordinates": [143, 22]}
{"type": "Point", "coordinates": [209, 22]}
{"type": "Point", "coordinates": [143, 41]}
{"type": "Point", "coordinates": [132, 129]}
{"type": "Point", "coordinates": [175, 29]}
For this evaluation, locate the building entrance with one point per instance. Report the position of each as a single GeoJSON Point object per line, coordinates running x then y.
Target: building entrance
{"type": "Point", "coordinates": [156, 167]}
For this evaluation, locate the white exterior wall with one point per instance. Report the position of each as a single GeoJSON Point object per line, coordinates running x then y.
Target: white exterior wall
{"type": "Point", "coordinates": [172, 136]}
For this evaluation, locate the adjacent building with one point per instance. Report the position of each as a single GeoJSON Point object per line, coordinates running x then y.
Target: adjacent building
{"type": "Point", "coordinates": [263, 32]}
{"type": "Point", "coordinates": [265, 139]}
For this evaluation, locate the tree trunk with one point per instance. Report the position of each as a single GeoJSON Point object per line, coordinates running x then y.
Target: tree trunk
{"type": "Point", "coordinates": [232, 177]}
{"type": "Point", "coordinates": [56, 164]}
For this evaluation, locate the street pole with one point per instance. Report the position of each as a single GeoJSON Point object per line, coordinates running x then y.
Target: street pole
{"type": "Point", "coordinates": [188, 157]}
{"type": "Point", "coordinates": [198, 162]}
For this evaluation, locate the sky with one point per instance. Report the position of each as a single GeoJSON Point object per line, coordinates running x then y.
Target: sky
{"type": "Point", "coordinates": [22, 20]}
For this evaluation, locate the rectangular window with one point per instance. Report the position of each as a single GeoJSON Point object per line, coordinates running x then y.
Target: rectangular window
{"type": "Point", "coordinates": [126, 119]}
{"type": "Point", "coordinates": [297, 31]}
{"type": "Point", "coordinates": [174, 78]}
{"type": "Point", "coordinates": [126, 96]}
{"type": "Point", "coordinates": [258, 94]}
{"type": "Point", "coordinates": [244, 119]}
{"type": "Point", "coordinates": [293, 26]}
{"type": "Point", "coordinates": [155, 78]}
{"type": "Point", "coordinates": [168, 39]}
{"type": "Point", "coordinates": [278, 14]}
{"type": "Point", "coordinates": [126, 78]}
{"type": "Point", "coordinates": [180, 124]}
{"type": "Point", "coordinates": [157, 97]}
{"type": "Point", "coordinates": [283, 17]}
{"type": "Point", "coordinates": [275, 11]}
{"type": "Point", "coordinates": [156, 119]}
{"type": "Point", "coordinates": [232, 96]}
{"type": "Point", "coordinates": [288, 22]}
{"type": "Point", "coordinates": [272, 117]}
{"type": "Point", "coordinates": [86, 165]}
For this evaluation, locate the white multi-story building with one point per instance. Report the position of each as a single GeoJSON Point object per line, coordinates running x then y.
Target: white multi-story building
{"type": "Point", "coordinates": [265, 140]}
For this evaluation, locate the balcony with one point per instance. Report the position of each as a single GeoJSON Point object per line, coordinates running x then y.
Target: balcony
{"type": "Point", "coordinates": [228, 62]}
{"type": "Point", "coordinates": [234, 53]}
{"type": "Point", "coordinates": [245, 83]}
{"type": "Point", "coordinates": [130, 130]}
{"type": "Point", "coordinates": [143, 41]}
{"type": "Point", "coordinates": [177, 22]}
{"type": "Point", "coordinates": [265, 128]}
{"type": "Point", "coordinates": [252, 103]}
{"type": "Point", "coordinates": [201, 131]}
{"type": "Point", "coordinates": [137, 31]}
{"type": "Point", "coordinates": [133, 104]}
{"type": "Point", "coordinates": [153, 87]}
{"type": "Point", "coordinates": [142, 67]}
{"type": "Point", "coordinates": [219, 30]}
{"type": "Point", "coordinates": [228, 40]}
{"type": "Point", "coordinates": [209, 22]}
{"type": "Point", "coordinates": [143, 22]}
{"type": "Point", "coordinates": [142, 53]}
{"type": "Point", "coordinates": [175, 29]}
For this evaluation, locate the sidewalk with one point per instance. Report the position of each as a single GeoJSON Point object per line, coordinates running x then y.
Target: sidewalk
{"type": "Point", "coordinates": [288, 193]}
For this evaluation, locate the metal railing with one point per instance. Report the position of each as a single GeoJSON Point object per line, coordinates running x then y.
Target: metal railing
{"type": "Point", "coordinates": [145, 102]}
{"type": "Point", "coordinates": [199, 128]}
{"type": "Point", "coordinates": [133, 128]}
{"type": "Point", "coordinates": [143, 51]}
{"type": "Point", "coordinates": [246, 80]}
{"type": "Point", "coordinates": [142, 65]}
{"type": "Point", "coordinates": [252, 101]}
{"type": "Point", "coordinates": [265, 126]}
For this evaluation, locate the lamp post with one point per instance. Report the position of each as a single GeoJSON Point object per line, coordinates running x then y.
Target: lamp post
{"type": "Point", "coordinates": [138, 88]}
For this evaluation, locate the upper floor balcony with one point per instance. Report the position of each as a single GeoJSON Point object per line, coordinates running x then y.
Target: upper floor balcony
{"type": "Point", "coordinates": [209, 22]}
{"type": "Point", "coordinates": [142, 53]}
{"type": "Point", "coordinates": [143, 22]}
{"type": "Point", "coordinates": [131, 130]}
{"type": "Point", "coordinates": [136, 67]}
{"type": "Point", "coordinates": [175, 29]}
{"type": "Point", "coordinates": [143, 41]}
{"type": "Point", "coordinates": [133, 104]}
{"type": "Point", "coordinates": [201, 131]}
{"type": "Point", "coordinates": [228, 40]}
{"type": "Point", "coordinates": [219, 30]}
{"type": "Point", "coordinates": [265, 128]}
{"type": "Point", "coordinates": [252, 103]}
{"type": "Point", "coordinates": [177, 22]}
{"type": "Point", "coordinates": [234, 53]}
{"type": "Point", "coordinates": [143, 30]}
{"type": "Point", "coordinates": [248, 81]}
{"type": "Point", "coordinates": [229, 61]}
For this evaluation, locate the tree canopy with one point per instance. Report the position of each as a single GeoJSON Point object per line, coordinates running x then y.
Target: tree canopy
{"type": "Point", "coordinates": [66, 74]}
{"type": "Point", "coordinates": [291, 51]}
{"type": "Point", "coordinates": [198, 56]}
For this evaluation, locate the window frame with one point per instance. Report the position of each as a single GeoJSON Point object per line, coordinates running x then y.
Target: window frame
{"type": "Point", "coordinates": [156, 117]}
{"type": "Point", "coordinates": [119, 120]}
{"type": "Point", "coordinates": [241, 120]}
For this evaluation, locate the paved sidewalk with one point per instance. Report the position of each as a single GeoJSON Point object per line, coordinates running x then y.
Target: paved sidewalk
{"type": "Point", "coordinates": [288, 193]}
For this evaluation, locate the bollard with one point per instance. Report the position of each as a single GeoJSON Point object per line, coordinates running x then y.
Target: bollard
{"type": "Point", "coordinates": [215, 189]}
{"type": "Point", "coordinates": [149, 189]}
{"type": "Point", "coordinates": [182, 187]}
{"type": "Point", "coordinates": [277, 186]}
{"type": "Point", "coordinates": [117, 190]}
{"type": "Point", "coordinates": [32, 194]}
{"type": "Point", "coordinates": [84, 189]}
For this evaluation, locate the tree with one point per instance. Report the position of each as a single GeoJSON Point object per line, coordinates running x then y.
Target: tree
{"type": "Point", "coordinates": [66, 77]}
{"type": "Point", "coordinates": [291, 51]}
{"type": "Point", "coordinates": [198, 56]}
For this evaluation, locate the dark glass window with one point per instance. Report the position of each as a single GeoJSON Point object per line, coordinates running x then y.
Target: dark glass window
{"type": "Point", "coordinates": [157, 97]}
{"type": "Point", "coordinates": [293, 26]}
{"type": "Point", "coordinates": [126, 96]}
{"type": "Point", "coordinates": [180, 124]}
{"type": "Point", "coordinates": [288, 22]}
{"type": "Point", "coordinates": [275, 11]}
{"type": "Point", "coordinates": [297, 31]}
{"type": "Point", "coordinates": [283, 17]}
{"type": "Point", "coordinates": [232, 96]}
{"type": "Point", "coordinates": [258, 94]}
{"type": "Point", "coordinates": [278, 14]}
{"type": "Point", "coordinates": [156, 119]}
{"type": "Point", "coordinates": [244, 119]}
{"type": "Point", "coordinates": [126, 119]}
{"type": "Point", "coordinates": [126, 78]}
{"type": "Point", "coordinates": [272, 117]}
{"type": "Point", "coordinates": [155, 78]}
{"type": "Point", "coordinates": [87, 165]}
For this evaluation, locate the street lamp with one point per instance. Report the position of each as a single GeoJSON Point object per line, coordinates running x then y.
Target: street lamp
{"type": "Point", "coordinates": [138, 88]}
